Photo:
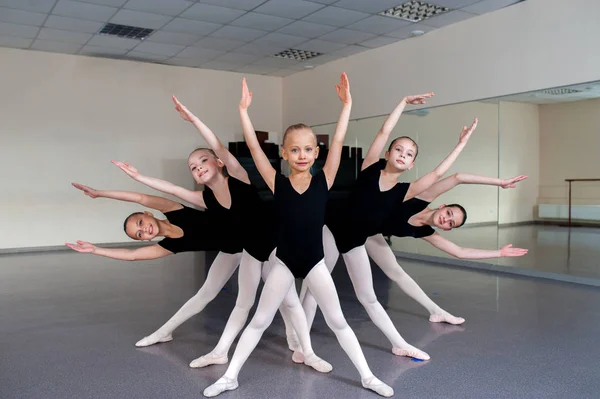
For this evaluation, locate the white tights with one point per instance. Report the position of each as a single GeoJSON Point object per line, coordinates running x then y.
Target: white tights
{"type": "Point", "coordinates": [279, 288]}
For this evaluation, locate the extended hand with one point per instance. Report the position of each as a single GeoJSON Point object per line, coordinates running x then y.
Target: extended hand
{"type": "Point", "coordinates": [246, 99]}
{"type": "Point", "coordinates": [343, 89]}
{"type": "Point", "coordinates": [183, 111]}
{"type": "Point", "coordinates": [125, 167]}
{"type": "Point", "coordinates": [465, 135]}
{"type": "Point", "coordinates": [90, 192]}
{"type": "Point", "coordinates": [418, 99]}
{"type": "Point", "coordinates": [512, 183]}
{"type": "Point", "coordinates": [508, 250]}
{"type": "Point", "coordinates": [82, 246]}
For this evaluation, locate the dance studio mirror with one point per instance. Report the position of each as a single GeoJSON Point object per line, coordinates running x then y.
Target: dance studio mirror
{"type": "Point", "coordinates": [549, 135]}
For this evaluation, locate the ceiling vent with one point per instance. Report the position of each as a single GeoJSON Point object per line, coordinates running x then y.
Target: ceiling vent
{"type": "Point", "coordinates": [561, 91]}
{"type": "Point", "coordinates": [298, 55]}
{"type": "Point", "coordinates": [414, 11]}
{"type": "Point", "coordinates": [125, 31]}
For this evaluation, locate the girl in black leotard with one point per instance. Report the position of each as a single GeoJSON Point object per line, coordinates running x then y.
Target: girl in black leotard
{"type": "Point", "coordinates": [185, 229]}
{"type": "Point", "coordinates": [300, 205]}
{"type": "Point", "coordinates": [243, 218]}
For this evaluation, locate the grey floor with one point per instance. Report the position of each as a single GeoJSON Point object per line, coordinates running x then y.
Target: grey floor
{"type": "Point", "coordinates": [68, 324]}
{"type": "Point", "coordinates": [553, 249]}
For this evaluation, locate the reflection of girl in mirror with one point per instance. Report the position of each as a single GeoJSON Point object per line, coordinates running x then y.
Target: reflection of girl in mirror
{"type": "Point", "coordinates": [374, 198]}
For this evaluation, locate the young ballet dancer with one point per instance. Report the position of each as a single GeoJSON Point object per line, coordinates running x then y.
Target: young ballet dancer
{"type": "Point", "coordinates": [243, 217]}
{"type": "Point", "coordinates": [300, 202]}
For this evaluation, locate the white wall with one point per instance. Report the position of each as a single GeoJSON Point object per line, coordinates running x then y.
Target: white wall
{"type": "Point", "coordinates": [519, 155]}
{"type": "Point", "coordinates": [515, 49]}
{"type": "Point", "coordinates": [65, 117]}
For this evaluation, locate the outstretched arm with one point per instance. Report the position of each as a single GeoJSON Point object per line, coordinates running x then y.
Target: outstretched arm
{"type": "Point", "coordinates": [261, 161]}
{"type": "Point", "coordinates": [193, 197]}
{"type": "Point", "coordinates": [149, 201]}
{"type": "Point", "coordinates": [423, 183]}
{"type": "Point", "coordinates": [145, 253]}
{"type": "Point", "coordinates": [471, 253]}
{"type": "Point", "coordinates": [234, 168]}
{"type": "Point", "coordinates": [386, 129]}
{"type": "Point", "coordinates": [450, 182]}
{"type": "Point", "coordinates": [332, 163]}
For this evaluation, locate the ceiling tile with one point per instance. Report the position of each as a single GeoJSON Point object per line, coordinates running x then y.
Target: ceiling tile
{"type": "Point", "coordinates": [75, 9]}
{"type": "Point", "coordinates": [137, 55]}
{"type": "Point", "coordinates": [485, 6]}
{"type": "Point", "coordinates": [191, 27]}
{"type": "Point", "coordinates": [24, 31]}
{"type": "Point", "coordinates": [260, 49]}
{"type": "Point", "coordinates": [448, 18]}
{"type": "Point", "coordinates": [55, 47]}
{"type": "Point", "coordinates": [63, 36]}
{"type": "Point", "coordinates": [21, 17]}
{"type": "Point", "coordinates": [73, 24]}
{"type": "Point", "coordinates": [238, 33]}
{"type": "Point", "coordinates": [239, 4]}
{"type": "Point", "coordinates": [256, 69]}
{"type": "Point", "coordinates": [159, 48]}
{"type": "Point", "coordinates": [261, 21]}
{"type": "Point", "coordinates": [220, 66]}
{"type": "Point", "coordinates": [321, 46]}
{"type": "Point", "coordinates": [371, 6]}
{"type": "Point", "coordinates": [306, 29]}
{"type": "Point", "coordinates": [187, 62]}
{"type": "Point", "coordinates": [379, 41]}
{"type": "Point", "coordinates": [239, 57]}
{"type": "Point", "coordinates": [276, 62]}
{"type": "Point", "coordinates": [454, 4]}
{"type": "Point", "coordinates": [404, 33]}
{"type": "Point", "coordinates": [112, 3]}
{"type": "Point", "coordinates": [324, 1]}
{"type": "Point", "coordinates": [170, 7]}
{"type": "Point", "coordinates": [294, 9]}
{"type": "Point", "coordinates": [140, 18]}
{"type": "Point", "coordinates": [379, 25]}
{"type": "Point", "coordinates": [43, 6]}
{"type": "Point", "coordinates": [183, 39]}
{"type": "Point", "coordinates": [283, 72]}
{"type": "Point", "coordinates": [197, 52]}
{"type": "Point", "coordinates": [215, 43]}
{"type": "Point", "coordinates": [279, 39]}
{"type": "Point", "coordinates": [335, 16]}
{"type": "Point", "coordinates": [347, 36]}
{"type": "Point", "coordinates": [16, 42]}
{"type": "Point", "coordinates": [210, 13]}
{"type": "Point", "coordinates": [112, 41]}
{"type": "Point", "coordinates": [100, 51]}
{"type": "Point", "coordinates": [349, 50]}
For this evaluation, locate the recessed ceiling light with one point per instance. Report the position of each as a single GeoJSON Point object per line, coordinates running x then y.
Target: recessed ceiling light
{"type": "Point", "coordinates": [308, 66]}
{"type": "Point", "coordinates": [129, 32]}
{"type": "Point", "coordinates": [295, 54]}
{"type": "Point", "coordinates": [416, 33]}
{"type": "Point", "coordinates": [414, 11]}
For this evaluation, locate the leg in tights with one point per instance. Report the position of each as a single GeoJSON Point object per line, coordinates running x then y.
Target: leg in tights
{"type": "Point", "coordinates": [248, 280]}
{"type": "Point", "coordinates": [321, 286]}
{"type": "Point", "coordinates": [382, 255]}
{"type": "Point", "coordinates": [278, 287]}
{"type": "Point", "coordinates": [220, 271]}
{"type": "Point", "coordinates": [359, 269]}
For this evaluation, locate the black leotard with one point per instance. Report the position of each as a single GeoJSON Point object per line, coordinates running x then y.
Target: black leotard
{"type": "Point", "coordinates": [397, 224]}
{"type": "Point", "coordinates": [363, 214]}
{"type": "Point", "coordinates": [300, 219]}
{"type": "Point", "coordinates": [197, 233]}
{"type": "Point", "coordinates": [249, 222]}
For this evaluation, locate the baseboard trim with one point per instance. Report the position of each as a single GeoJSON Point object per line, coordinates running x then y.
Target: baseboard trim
{"type": "Point", "coordinates": [488, 267]}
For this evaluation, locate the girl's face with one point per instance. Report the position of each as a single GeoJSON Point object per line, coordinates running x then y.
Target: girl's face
{"type": "Point", "coordinates": [204, 166]}
{"type": "Point", "coordinates": [300, 149]}
{"type": "Point", "coordinates": [447, 218]}
{"type": "Point", "coordinates": [142, 227]}
{"type": "Point", "coordinates": [402, 154]}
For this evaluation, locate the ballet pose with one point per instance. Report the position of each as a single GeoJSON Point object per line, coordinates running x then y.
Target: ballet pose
{"type": "Point", "coordinates": [243, 218]}
{"type": "Point", "coordinates": [300, 202]}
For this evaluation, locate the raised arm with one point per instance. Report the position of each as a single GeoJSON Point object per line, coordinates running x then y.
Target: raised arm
{"type": "Point", "coordinates": [193, 197]}
{"type": "Point", "coordinates": [332, 163]}
{"type": "Point", "coordinates": [450, 182]}
{"type": "Point", "coordinates": [234, 168]}
{"type": "Point", "coordinates": [149, 201]}
{"type": "Point", "coordinates": [144, 253]}
{"type": "Point", "coordinates": [425, 182]}
{"type": "Point", "coordinates": [383, 135]}
{"type": "Point", "coordinates": [261, 161]}
{"type": "Point", "coordinates": [471, 253]}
